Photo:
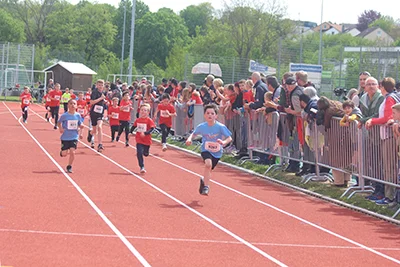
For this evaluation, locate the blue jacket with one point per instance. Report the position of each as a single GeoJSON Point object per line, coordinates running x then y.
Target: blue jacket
{"type": "Point", "coordinates": [261, 89]}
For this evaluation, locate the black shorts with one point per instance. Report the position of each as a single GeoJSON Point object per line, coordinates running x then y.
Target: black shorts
{"type": "Point", "coordinates": [65, 145]}
{"type": "Point", "coordinates": [207, 155]}
{"type": "Point", "coordinates": [95, 117]}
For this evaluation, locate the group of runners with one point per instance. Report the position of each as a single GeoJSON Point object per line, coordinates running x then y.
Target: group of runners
{"type": "Point", "coordinates": [95, 105]}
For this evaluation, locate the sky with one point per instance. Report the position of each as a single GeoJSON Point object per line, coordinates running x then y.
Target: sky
{"type": "Point", "coordinates": [336, 11]}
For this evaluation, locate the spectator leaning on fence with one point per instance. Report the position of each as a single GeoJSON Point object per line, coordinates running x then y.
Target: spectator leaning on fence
{"type": "Point", "coordinates": [385, 115]}
{"type": "Point", "coordinates": [371, 101]}
{"type": "Point", "coordinates": [260, 88]}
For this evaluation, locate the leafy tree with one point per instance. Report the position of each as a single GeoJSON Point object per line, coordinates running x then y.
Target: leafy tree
{"type": "Point", "coordinates": [152, 69]}
{"type": "Point", "coordinates": [366, 18]}
{"type": "Point", "coordinates": [12, 30]}
{"type": "Point", "coordinates": [386, 23]}
{"type": "Point", "coordinates": [176, 63]}
{"type": "Point", "coordinates": [86, 28]}
{"type": "Point", "coordinates": [197, 17]}
{"type": "Point", "coordinates": [156, 34]}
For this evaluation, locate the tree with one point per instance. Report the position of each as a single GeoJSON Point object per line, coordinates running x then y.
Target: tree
{"type": "Point", "coordinates": [152, 69]}
{"type": "Point", "coordinates": [197, 17]}
{"type": "Point", "coordinates": [156, 34]}
{"type": "Point", "coordinates": [366, 18]}
{"type": "Point", "coordinates": [12, 30]}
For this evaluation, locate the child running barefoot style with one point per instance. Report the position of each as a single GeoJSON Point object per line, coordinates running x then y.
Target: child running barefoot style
{"type": "Point", "coordinates": [26, 99]}
{"type": "Point", "coordinates": [167, 111]}
{"type": "Point", "coordinates": [144, 127]}
{"type": "Point", "coordinates": [69, 125]}
{"type": "Point", "coordinates": [215, 136]}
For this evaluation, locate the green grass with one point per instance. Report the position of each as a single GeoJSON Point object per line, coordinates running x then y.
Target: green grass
{"type": "Point", "coordinates": [323, 188]}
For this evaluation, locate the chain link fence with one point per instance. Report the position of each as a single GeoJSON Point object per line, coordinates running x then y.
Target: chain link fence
{"type": "Point", "coordinates": [17, 63]}
{"type": "Point", "coordinates": [341, 65]}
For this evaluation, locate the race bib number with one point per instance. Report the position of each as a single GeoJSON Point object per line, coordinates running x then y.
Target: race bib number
{"type": "Point", "coordinates": [141, 127]}
{"type": "Point", "coordinates": [72, 125]}
{"type": "Point", "coordinates": [48, 99]}
{"type": "Point", "coordinates": [98, 109]}
{"type": "Point", "coordinates": [88, 97]}
{"type": "Point", "coordinates": [26, 101]}
{"type": "Point", "coordinates": [115, 115]}
{"type": "Point", "coordinates": [126, 109]}
{"type": "Point", "coordinates": [65, 100]}
{"type": "Point", "coordinates": [164, 113]}
{"type": "Point", "coordinates": [81, 111]}
{"type": "Point", "coordinates": [57, 97]}
{"type": "Point", "coordinates": [213, 147]}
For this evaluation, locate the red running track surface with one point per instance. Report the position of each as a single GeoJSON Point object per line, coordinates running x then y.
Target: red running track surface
{"type": "Point", "coordinates": [159, 218]}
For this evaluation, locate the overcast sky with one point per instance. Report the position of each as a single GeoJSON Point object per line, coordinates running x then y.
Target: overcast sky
{"type": "Point", "coordinates": [338, 11]}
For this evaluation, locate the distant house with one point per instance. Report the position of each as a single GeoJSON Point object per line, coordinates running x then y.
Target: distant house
{"type": "Point", "coordinates": [350, 29]}
{"type": "Point", "coordinates": [303, 26]}
{"type": "Point", "coordinates": [72, 75]}
{"type": "Point", "coordinates": [376, 34]}
{"type": "Point", "coordinates": [328, 28]}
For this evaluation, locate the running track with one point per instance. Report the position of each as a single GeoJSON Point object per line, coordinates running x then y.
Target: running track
{"type": "Point", "coordinates": [105, 214]}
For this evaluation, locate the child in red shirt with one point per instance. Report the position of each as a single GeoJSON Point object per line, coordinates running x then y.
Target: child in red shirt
{"type": "Point", "coordinates": [113, 117]}
{"type": "Point", "coordinates": [167, 111]}
{"type": "Point", "coordinates": [47, 101]}
{"type": "Point", "coordinates": [145, 127]}
{"type": "Point", "coordinates": [124, 117]}
{"type": "Point", "coordinates": [55, 96]}
{"type": "Point", "coordinates": [26, 99]}
{"type": "Point", "coordinates": [81, 107]}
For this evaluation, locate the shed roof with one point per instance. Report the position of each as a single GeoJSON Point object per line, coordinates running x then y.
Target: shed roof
{"type": "Point", "coordinates": [73, 68]}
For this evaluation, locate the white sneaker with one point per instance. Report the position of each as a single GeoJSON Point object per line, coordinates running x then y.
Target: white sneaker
{"type": "Point", "coordinates": [142, 170]}
{"type": "Point", "coordinates": [164, 147]}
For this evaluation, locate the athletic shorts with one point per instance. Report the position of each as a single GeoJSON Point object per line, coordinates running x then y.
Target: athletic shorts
{"type": "Point", "coordinates": [65, 145]}
{"type": "Point", "coordinates": [95, 117]}
{"type": "Point", "coordinates": [207, 155]}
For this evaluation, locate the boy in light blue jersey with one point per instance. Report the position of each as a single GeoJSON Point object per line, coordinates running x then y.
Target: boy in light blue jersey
{"type": "Point", "coordinates": [69, 125]}
{"type": "Point", "coordinates": [215, 136]}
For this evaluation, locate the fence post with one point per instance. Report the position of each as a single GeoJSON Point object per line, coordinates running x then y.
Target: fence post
{"type": "Point", "coordinates": [33, 64]}
{"type": "Point", "coordinates": [301, 49]}
{"type": "Point", "coordinates": [359, 65]}
{"type": "Point", "coordinates": [279, 56]}
{"type": "Point", "coordinates": [17, 68]}
{"type": "Point", "coordinates": [2, 67]}
{"type": "Point", "coordinates": [233, 70]}
{"type": "Point", "coordinates": [340, 67]}
{"type": "Point", "coordinates": [379, 64]}
{"type": "Point", "coordinates": [209, 67]}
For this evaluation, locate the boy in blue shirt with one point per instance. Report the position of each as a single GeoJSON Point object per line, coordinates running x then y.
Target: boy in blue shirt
{"type": "Point", "coordinates": [215, 136]}
{"type": "Point", "coordinates": [69, 125]}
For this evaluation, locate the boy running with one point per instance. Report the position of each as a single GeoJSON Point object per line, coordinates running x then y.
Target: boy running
{"type": "Point", "coordinates": [145, 127]}
{"type": "Point", "coordinates": [124, 117]}
{"type": "Point", "coordinates": [167, 111]}
{"type": "Point", "coordinates": [47, 101]}
{"type": "Point", "coordinates": [26, 99]}
{"type": "Point", "coordinates": [113, 117]}
{"type": "Point", "coordinates": [69, 125]}
{"type": "Point", "coordinates": [81, 107]}
{"type": "Point", "coordinates": [55, 96]}
{"type": "Point", "coordinates": [97, 103]}
{"type": "Point", "coordinates": [215, 136]}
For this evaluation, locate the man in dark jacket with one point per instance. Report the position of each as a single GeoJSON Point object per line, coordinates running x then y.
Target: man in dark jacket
{"type": "Point", "coordinates": [261, 89]}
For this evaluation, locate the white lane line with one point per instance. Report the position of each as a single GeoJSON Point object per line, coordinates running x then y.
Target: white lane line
{"type": "Point", "coordinates": [189, 240]}
{"type": "Point", "coordinates": [277, 209]}
{"type": "Point", "coordinates": [241, 240]}
{"type": "Point", "coordinates": [136, 253]}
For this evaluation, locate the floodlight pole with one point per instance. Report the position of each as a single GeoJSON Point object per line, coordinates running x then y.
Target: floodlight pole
{"type": "Point", "coordinates": [123, 40]}
{"type": "Point", "coordinates": [320, 35]}
{"type": "Point", "coordinates": [132, 41]}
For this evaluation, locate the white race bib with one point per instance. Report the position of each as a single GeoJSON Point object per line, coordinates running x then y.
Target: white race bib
{"type": "Point", "coordinates": [115, 115]}
{"type": "Point", "coordinates": [26, 101]}
{"type": "Point", "coordinates": [57, 97]}
{"type": "Point", "coordinates": [88, 97]}
{"type": "Point", "coordinates": [212, 146]}
{"type": "Point", "coordinates": [126, 109]}
{"type": "Point", "coordinates": [98, 109]}
{"type": "Point", "coordinates": [81, 111]}
{"type": "Point", "coordinates": [164, 113]}
{"type": "Point", "coordinates": [72, 125]}
{"type": "Point", "coordinates": [48, 99]}
{"type": "Point", "coordinates": [141, 127]}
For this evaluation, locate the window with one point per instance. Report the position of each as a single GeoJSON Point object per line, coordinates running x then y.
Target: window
{"type": "Point", "coordinates": [378, 32]}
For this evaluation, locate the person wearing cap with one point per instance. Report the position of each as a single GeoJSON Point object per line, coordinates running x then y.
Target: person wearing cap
{"type": "Point", "coordinates": [294, 123]}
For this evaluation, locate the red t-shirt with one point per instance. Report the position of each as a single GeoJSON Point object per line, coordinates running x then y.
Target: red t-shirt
{"type": "Point", "coordinates": [87, 96]}
{"type": "Point", "coordinates": [57, 95]}
{"type": "Point", "coordinates": [197, 98]}
{"type": "Point", "coordinates": [47, 99]}
{"type": "Point", "coordinates": [143, 125]}
{"type": "Point", "coordinates": [125, 110]}
{"type": "Point", "coordinates": [113, 113]}
{"type": "Point", "coordinates": [164, 117]}
{"type": "Point", "coordinates": [248, 97]}
{"type": "Point", "coordinates": [73, 96]}
{"type": "Point", "coordinates": [25, 99]}
{"type": "Point", "coordinates": [81, 107]}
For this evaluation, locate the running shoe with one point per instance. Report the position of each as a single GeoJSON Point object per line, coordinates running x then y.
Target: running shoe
{"type": "Point", "coordinates": [142, 170]}
{"type": "Point", "coordinates": [100, 148]}
{"type": "Point", "coordinates": [205, 191]}
{"type": "Point", "coordinates": [89, 136]}
{"type": "Point", "coordinates": [126, 144]}
{"type": "Point", "coordinates": [117, 138]}
{"type": "Point", "coordinates": [164, 147]}
{"type": "Point", "coordinates": [69, 169]}
{"type": "Point", "coordinates": [201, 185]}
{"type": "Point", "coordinates": [383, 201]}
{"type": "Point", "coordinates": [55, 127]}
{"type": "Point", "coordinates": [92, 145]}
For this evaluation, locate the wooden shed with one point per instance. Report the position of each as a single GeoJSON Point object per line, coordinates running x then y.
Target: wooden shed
{"type": "Point", "coordinates": [72, 75]}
